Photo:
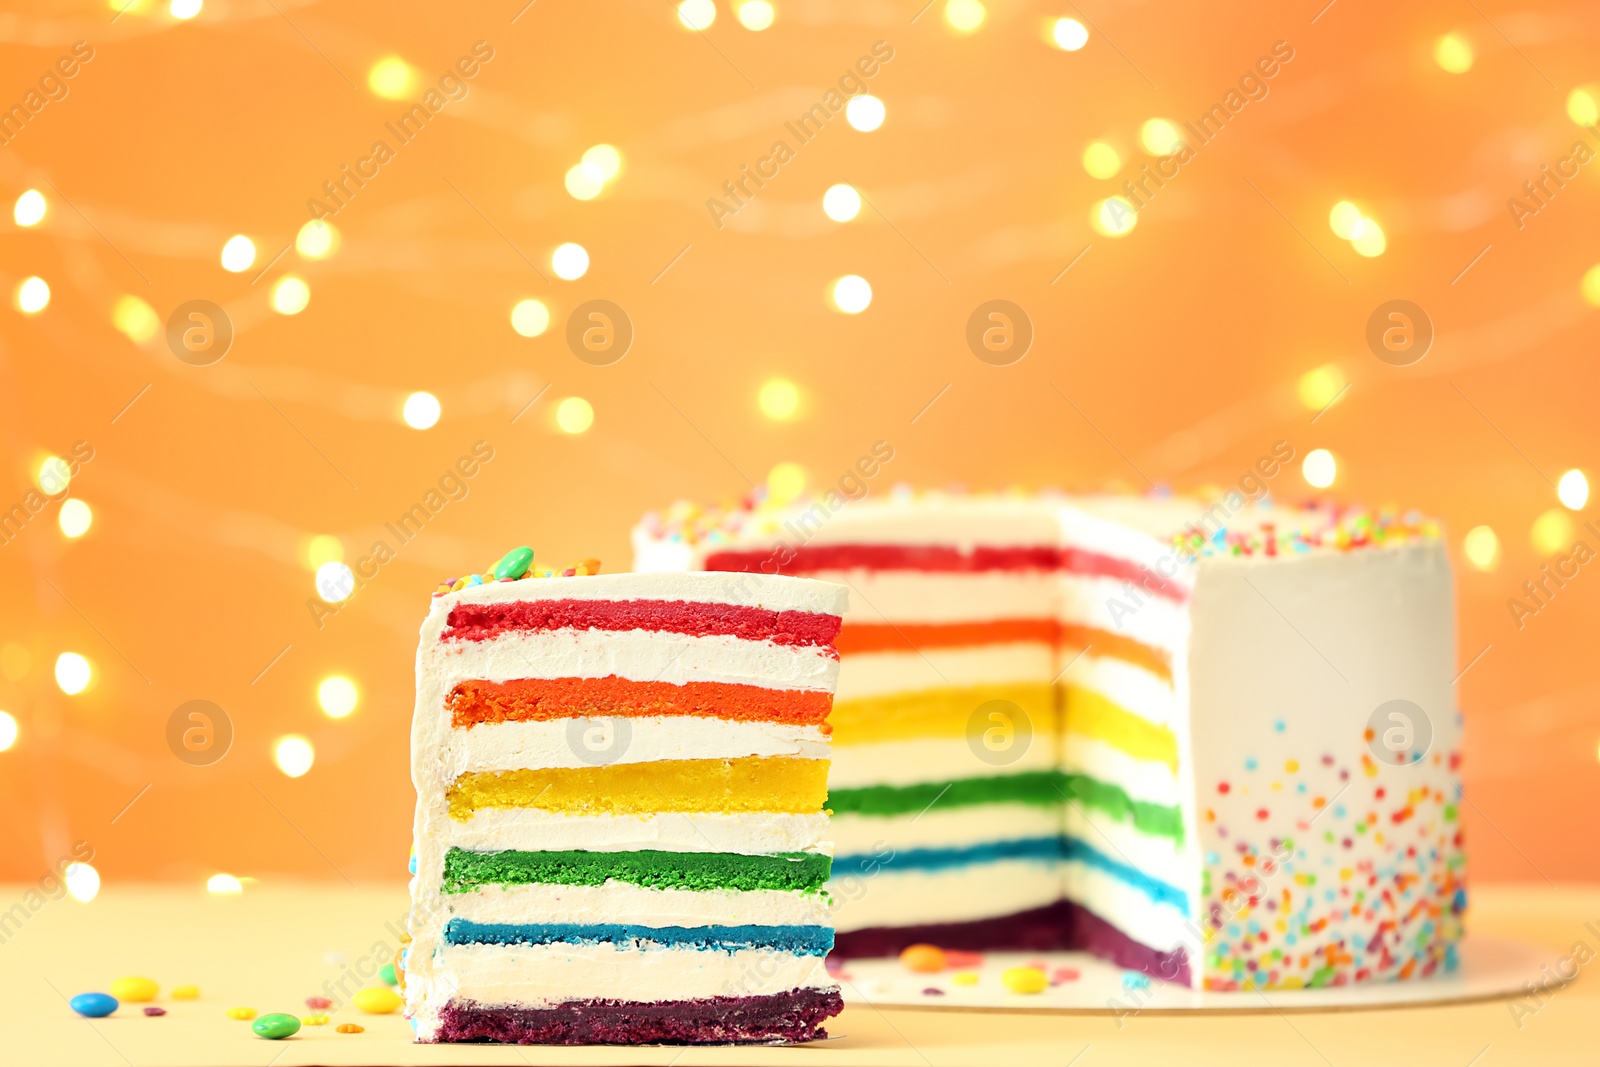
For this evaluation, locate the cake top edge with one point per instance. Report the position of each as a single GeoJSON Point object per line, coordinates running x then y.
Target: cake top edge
{"type": "Point", "coordinates": [775, 592]}
{"type": "Point", "coordinates": [1231, 523]}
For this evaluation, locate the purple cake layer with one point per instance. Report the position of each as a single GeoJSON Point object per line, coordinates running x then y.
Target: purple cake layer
{"type": "Point", "coordinates": [1061, 925]}
{"type": "Point", "coordinates": [1036, 930]}
{"type": "Point", "coordinates": [781, 1017]}
{"type": "Point", "coordinates": [1093, 934]}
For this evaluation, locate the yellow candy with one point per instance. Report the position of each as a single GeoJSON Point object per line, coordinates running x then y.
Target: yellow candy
{"type": "Point", "coordinates": [377, 1000]}
{"type": "Point", "coordinates": [964, 978]}
{"type": "Point", "coordinates": [186, 992]}
{"type": "Point", "coordinates": [315, 1020]}
{"type": "Point", "coordinates": [241, 1013]}
{"type": "Point", "coordinates": [1025, 980]}
{"type": "Point", "coordinates": [135, 990]}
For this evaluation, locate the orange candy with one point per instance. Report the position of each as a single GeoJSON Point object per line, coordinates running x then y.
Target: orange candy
{"type": "Point", "coordinates": [349, 1028]}
{"type": "Point", "coordinates": [923, 959]}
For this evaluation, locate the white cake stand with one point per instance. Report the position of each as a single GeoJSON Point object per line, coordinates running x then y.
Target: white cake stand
{"type": "Point", "coordinates": [1490, 968]}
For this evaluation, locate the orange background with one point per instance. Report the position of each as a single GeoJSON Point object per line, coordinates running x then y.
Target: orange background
{"type": "Point", "coordinates": [1174, 350]}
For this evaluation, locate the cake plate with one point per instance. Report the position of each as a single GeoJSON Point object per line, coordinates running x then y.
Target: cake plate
{"type": "Point", "coordinates": [1490, 968]}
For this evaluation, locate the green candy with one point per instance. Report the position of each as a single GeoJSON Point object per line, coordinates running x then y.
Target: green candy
{"type": "Point", "coordinates": [276, 1027]}
{"type": "Point", "coordinates": [514, 564]}
{"type": "Point", "coordinates": [386, 975]}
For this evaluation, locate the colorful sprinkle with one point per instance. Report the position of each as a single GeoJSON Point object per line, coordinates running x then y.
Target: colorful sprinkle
{"type": "Point", "coordinates": [318, 1003]}
{"type": "Point", "coordinates": [349, 1028]}
{"type": "Point", "coordinates": [154, 1011]}
{"type": "Point", "coordinates": [186, 992]}
{"type": "Point", "coordinates": [315, 1020]}
{"type": "Point", "coordinates": [964, 978]}
{"type": "Point", "coordinates": [241, 1013]}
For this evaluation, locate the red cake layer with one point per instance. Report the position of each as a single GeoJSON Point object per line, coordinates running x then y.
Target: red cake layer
{"type": "Point", "coordinates": [542, 699]}
{"type": "Point", "coordinates": [778, 1018]}
{"type": "Point", "coordinates": [856, 638]}
{"type": "Point", "coordinates": [478, 622]}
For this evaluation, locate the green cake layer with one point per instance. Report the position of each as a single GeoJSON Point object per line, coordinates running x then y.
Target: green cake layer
{"type": "Point", "coordinates": [1043, 788]}
{"type": "Point", "coordinates": [465, 871]}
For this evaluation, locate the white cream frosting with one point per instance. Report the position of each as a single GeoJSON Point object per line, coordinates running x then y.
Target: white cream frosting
{"type": "Point", "coordinates": [506, 746]}
{"type": "Point", "coordinates": [974, 824]}
{"type": "Point", "coordinates": [958, 894]}
{"type": "Point", "coordinates": [535, 976]}
{"type": "Point", "coordinates": [641, 905]}
{"type": "Point", "coordinates": [931, 759]}
{"type": "Point", "coordinates": [532, 830]}
{"type": "Point", "coordinates": [874, 674]}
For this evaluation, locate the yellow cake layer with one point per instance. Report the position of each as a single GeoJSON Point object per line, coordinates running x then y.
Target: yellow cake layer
{"type": "Point", "coordinates": [1089, 714]}
{"type": "Point", "coordinates": [942, 712]}
{"type": "Point", "coordinates": [750, 783]}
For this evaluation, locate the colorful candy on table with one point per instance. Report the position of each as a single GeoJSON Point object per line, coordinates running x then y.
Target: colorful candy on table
{"type": "Point", "coordinates": [965, 969]}
{"type": "Point", "coordinates": [515, 566]}
{"type": "Point", "coordinates": [275, 1026]}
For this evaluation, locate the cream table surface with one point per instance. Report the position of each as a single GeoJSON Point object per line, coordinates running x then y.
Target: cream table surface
{"type": "Point", "coordinates": [272, 947]}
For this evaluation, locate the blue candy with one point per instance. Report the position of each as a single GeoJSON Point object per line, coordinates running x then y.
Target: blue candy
{"type": "Point", "coordinates": [93, 1005]}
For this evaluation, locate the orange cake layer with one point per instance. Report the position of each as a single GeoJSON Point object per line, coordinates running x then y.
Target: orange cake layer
{"type": "Point", "coordinates": [542, 699]}
{"type": "Point", "coordinates": [1116, 646]}
{"type": "Point", "coordinates": [856, 638]}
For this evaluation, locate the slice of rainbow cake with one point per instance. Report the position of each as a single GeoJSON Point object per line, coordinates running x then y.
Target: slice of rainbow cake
{"type": "Point", "coordinates": [620, 831]}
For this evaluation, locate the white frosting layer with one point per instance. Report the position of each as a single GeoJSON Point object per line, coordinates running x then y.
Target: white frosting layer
{"type": "Point", "coordinates": [1105, 604]}
{"type": "Point", "coordinates": [1140, 779]}
{"type": "Point", "coordinates": [879, 597]}
{"type": "Point", "coordinates": [640, 905]}
{"type": "Point", "coordinates": [977, 891]}
{"type": "Point", "coordinates": [874, 674]}
{"type": "Point", "coordinates": [1133, 688]}
{"type": "Point", "coordinates": [1161, 858]}
{"type": "Point", "coordinates": [1161, 926]}
{"type": "Point", "coordinates": [541, 975]}
{"type": "Point", "coordinates": [507, 746]}
{"type": "Point", "coordinates": [931, 759]}
{"type": "Point", "coordinates": [530, 830]}
{"type": "Point", "coordinates": [637, 655]}
{"type": "Point", "coordinates": [976, 824]}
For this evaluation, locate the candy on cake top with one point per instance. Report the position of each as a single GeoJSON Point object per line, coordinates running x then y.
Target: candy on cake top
{"type": "Point", "coordinates": [1314, 526]}
{"type": "Point", "coordinates": [515, 566]}
{"type": "Point", "coordinates": [1261, 528]}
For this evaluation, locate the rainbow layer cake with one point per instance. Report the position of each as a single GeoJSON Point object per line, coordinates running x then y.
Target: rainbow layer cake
{"type": "Point", "coordinates": [1215, 742]}
{"type": "Point", "coordinates": [620, 832]}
